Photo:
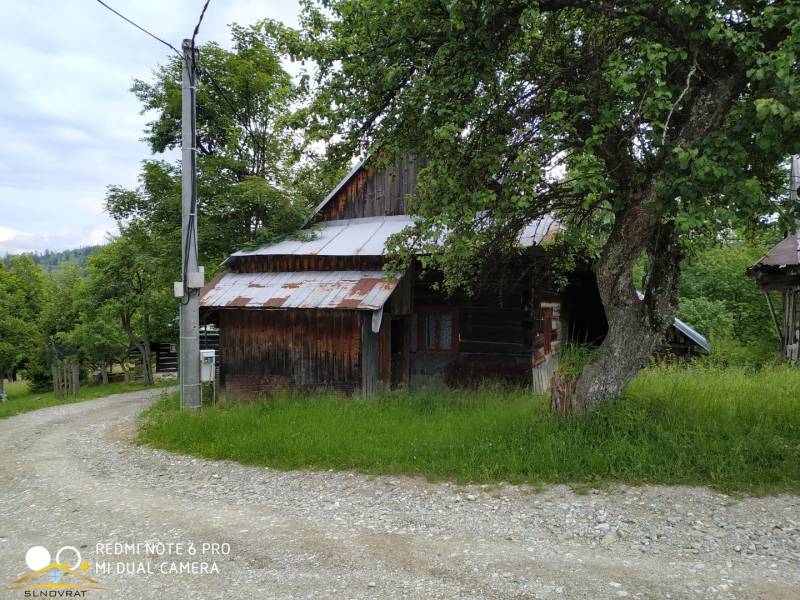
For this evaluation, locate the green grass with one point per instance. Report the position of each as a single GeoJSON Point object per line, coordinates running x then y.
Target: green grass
{"type": "Point", "coordinates": [734, 430]}
{"type": "Point", "coordinates": [21, 399]}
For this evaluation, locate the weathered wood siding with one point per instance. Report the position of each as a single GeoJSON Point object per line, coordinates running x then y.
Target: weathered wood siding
{"type": "Point", "coordinates": [371, 193]}
{"type": "Point", "coordinates": [791, 325]}
{"type": "Point", "coordinates": [501, 330]}
{"type": "Point", "coordinates": [263, 351]}
{"type": "Point", "coordinates": [289, 263]}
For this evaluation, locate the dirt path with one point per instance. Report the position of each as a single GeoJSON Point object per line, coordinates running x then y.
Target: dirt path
{"type": "Point", "coordinates": [71, 477]}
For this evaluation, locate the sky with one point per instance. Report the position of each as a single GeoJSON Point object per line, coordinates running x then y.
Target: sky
{"type": "Point", "coordinates": [69, 126]}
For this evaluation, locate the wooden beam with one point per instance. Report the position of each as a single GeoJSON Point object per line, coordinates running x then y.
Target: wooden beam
{"type": "Point", "coordinates": [774, 318]}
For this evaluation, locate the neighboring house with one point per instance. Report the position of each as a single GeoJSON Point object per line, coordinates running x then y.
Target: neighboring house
{"type": "Point", "coordinates": [166, 353]}
{"type": "Point", "coordinates": [779, 270]}
{"type": "Point", "coordinates": [319, 313]}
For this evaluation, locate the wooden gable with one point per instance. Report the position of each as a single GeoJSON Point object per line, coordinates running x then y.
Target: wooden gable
{"type": "Point", "coordinates": [367, 192]}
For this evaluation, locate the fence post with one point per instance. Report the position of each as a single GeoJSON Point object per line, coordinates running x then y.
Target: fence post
{"type": "Point", "coordinates": [76, 378]}
{"type": "Point", "coordinates": [54, 372]}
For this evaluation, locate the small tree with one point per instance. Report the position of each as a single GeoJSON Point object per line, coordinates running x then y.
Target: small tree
{"type": "Point", "coordinates": [126, 280]}
{"type": "Point", "coordinates": [101, 339]}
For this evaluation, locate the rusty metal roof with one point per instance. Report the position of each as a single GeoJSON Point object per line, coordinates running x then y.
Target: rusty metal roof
{"type": "Point", "coordinates": [368, 236]}
{"type": "Point", "coordinates": [784, 254]}
{"type": "Point", "coordinates": [354, 290]}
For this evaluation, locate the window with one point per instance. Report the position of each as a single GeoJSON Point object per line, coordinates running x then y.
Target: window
{"type": "Point", "coordinates": [438, 330]}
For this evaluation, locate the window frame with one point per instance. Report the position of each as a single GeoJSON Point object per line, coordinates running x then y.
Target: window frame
{"type": "Point", "coordinates": [437, 311]}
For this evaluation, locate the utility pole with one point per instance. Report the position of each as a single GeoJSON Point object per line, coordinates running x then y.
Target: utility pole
{"type": "Point", "coordinates": [188, 289]}
{"type": "Point", "coordinates": [794, 193]}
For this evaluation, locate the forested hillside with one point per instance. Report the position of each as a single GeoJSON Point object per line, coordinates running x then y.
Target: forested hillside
{"type": "Point", "coordinates": [51, 261]}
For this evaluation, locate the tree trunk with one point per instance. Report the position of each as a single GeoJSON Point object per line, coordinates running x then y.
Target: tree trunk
{"type": "Point", "coordinates": [635, 327]}
{"type": "Point", "coordinates": [147, 359]}
{"type": "Point", "coordinates": [2, 385]}
{"type": "Point", "coordinates": [104, 372]}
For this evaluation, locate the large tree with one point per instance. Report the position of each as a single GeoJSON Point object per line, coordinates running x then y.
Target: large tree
{"type": "Point", "coordinates": [640, 124]}
{"type": "Point", "coordinates": [20, 303]}
{"type": "Point", "coordinates": [254, 182]}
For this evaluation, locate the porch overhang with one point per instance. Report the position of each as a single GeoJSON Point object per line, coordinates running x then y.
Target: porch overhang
{"type": "Point", "coordinates": [342, 290]}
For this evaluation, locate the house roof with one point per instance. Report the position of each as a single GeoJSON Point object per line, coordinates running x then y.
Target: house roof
{"type": "Point", "coordinates": [686, 329]}
{"type": "Point", "coordinates": [349, 237]}
{"type": "Point", "coordinates": [784, 254]}
{"type": "Point", "coordinates": [354, 290]}
{"type": "Point", "coordinates": [692, 334]}
{"type": "Point", "coordinates": [368, 236]}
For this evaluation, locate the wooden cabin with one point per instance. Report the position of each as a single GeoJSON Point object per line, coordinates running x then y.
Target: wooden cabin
{"type": "Point", "coordinates": [318, 313]}
{"type": "Point", "coordinates": [779, 270]}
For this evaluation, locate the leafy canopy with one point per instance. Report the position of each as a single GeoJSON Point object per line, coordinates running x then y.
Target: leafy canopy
{"type": "Point", "coordinates": [575, 107]}
{"type": "Point", "coordinates": [252, 185]}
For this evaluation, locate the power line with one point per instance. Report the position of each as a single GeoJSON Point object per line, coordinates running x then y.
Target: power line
{"type": "Point", "coordinates": [139, 27]}
{"type": "Point", "coordinates": [200, 20]}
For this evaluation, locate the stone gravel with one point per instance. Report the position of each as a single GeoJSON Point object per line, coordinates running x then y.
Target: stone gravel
{"type": "Point", "coordinates": [73, 477]}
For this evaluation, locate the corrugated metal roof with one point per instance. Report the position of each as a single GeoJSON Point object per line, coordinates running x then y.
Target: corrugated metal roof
{"type": "Point", "coordinates": [686, 330]}
{"type": "Point", "coordinates": [692, 334]}
{"type": "Point", "coordinates": [784, 254]}
{"type": "Point", "coordinates": [540, 230]}
{"type": "Point", "coordinates": [349, 237]}
{"type": "Point", "coordinates": [368, 237]}
{"type": "Point", "coordinates": [355, 290]}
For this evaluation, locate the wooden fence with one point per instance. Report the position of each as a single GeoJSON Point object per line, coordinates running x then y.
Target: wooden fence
{"type": "Point", "coordinates": [66, 378]}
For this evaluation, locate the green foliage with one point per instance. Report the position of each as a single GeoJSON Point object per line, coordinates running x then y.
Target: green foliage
{"type": "Point", "coordinates": [710, 317]}
{"type": "Point", "coordinates": [100, 336]}
{"type": "Point", "coordinates": [53, 261]}
{"type": "Point", "coordinates": [20, 303]}
{"type": "Point", "coordinates": [726, 428]}
{"type": "Point", "coordinates": [573, 358]}
{"type": "Point", "coordinates": [572, 108]}
{"type": "Point", "coordinates": [253, 187]}
{"type": "Point", "coordinates": [126, 279]}
{"type": "Point", "coordinates": [722, 303]}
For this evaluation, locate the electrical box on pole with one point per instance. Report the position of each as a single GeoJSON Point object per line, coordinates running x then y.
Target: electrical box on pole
{"type": "Point", "coordinates": [188, 289]}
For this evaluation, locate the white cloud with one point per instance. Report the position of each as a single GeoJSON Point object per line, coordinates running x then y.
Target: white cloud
{"type": "Point", "coordinates": [98, 236]}
{"type": "Point", "coordinates": [69, 125]}
{"type": "Point", "coordinates": [6, 234]}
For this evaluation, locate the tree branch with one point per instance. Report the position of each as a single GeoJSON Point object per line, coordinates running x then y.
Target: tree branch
{"type": "Point", "coordinates": [678, 101]}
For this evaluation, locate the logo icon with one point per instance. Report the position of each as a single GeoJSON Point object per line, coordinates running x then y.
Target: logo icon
{"type": "Point", "coordinates": [56, 574]}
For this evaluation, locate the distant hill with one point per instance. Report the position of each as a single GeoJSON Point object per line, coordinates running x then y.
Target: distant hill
{"type": "Point", "coordinates": [54, 261]}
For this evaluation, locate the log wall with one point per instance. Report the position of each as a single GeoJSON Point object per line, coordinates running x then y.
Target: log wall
{"type": "Point", "coordinates": [264, 351]}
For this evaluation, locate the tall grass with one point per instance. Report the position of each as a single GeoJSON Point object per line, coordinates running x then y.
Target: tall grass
{"type": "Point", "coordinates": [726, 428]}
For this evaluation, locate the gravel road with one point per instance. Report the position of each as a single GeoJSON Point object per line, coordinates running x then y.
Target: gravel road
{"type": "Point", "coordinates": [72, 477]}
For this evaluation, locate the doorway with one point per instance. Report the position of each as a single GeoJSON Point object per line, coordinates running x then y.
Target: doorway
{"type": "Point", "coordinates": [400, 352]}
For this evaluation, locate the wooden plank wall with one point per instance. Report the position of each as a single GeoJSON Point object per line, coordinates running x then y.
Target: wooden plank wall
{"type": "Point", "coordinates": [791, 325]}
{"type": "Point", "coordinates": [370, 357]}
{"type": "Point", "coordinates": [263, 351]}
{"type": "Point", "coordinates": [498, 330]}
{"type": "Point", "coordinates": [497, 320]}
{"type": "Point", "coordinates": [311, 262]}
{"type": "Point", "coordinates": [371, 193]}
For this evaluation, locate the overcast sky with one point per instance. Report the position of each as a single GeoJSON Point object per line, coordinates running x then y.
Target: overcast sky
{"type": "Point", "coordinates": [68, 124]}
